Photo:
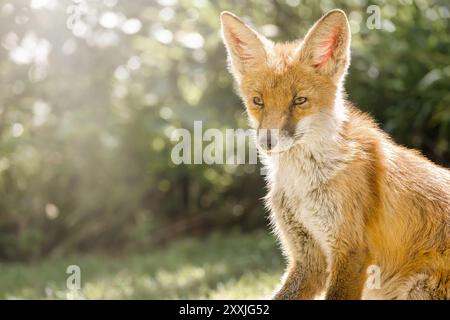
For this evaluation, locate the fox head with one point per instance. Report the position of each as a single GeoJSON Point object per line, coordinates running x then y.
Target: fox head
{"type": "Point", "coordinates": [290, 90]}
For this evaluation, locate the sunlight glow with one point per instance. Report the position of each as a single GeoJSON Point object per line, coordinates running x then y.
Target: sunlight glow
{"type": "Point", "coordinates": [131, 26]}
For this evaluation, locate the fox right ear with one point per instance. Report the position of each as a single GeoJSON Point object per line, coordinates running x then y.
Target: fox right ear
{"type": "Point", "coordinates": [245, 46]}
{"type": "Point", "coordinates": [327, 45]}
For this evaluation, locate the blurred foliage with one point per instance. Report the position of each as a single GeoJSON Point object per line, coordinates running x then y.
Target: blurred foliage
{"type": "Point", "coordinates": [92, 90]}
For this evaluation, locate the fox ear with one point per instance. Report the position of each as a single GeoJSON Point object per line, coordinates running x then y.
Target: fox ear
{"type": "Point", "coordinates": [244, 45]}
{"type": "Point", "coordinates": [327, 45]}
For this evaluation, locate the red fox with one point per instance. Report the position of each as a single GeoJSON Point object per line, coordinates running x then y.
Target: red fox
{"type": "Point", "coordinates": [342, 195]}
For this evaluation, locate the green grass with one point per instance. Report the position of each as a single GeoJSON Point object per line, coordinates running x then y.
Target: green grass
{"type": "Point", "coordinates": [226, 266]}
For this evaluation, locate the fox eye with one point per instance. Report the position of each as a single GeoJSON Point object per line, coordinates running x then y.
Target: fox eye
{"type": "Point", "coordinates": [258, 101]}
{"type": "Point", "coordinates": [299, 101]}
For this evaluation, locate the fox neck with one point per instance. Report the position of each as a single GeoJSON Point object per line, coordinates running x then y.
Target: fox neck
{"type": "Point", "coordinates": [322, 151]}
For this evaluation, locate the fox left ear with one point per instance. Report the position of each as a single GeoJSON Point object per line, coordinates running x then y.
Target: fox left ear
{"type": "Point", "coordinates": [246, 48]}
{"type": "Point", "coordinates": [326, 46]}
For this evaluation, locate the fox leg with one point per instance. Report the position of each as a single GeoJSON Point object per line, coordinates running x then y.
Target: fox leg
{"type": "Point", "coordinates": [429, 287]}
{"type": "Point", "coordinates": [305, 275]}
{"type": "Point", "coordinates": [348, 275]}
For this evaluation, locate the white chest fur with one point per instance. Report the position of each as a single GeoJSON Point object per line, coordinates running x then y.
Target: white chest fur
{"type": "Point", "coordinates": [301, 176]}
{"type": "Point", "coordinates": [302, 180]}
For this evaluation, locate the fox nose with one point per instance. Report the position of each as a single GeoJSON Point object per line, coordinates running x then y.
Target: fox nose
{"type": "Point", "coordinates": [267, 140]}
